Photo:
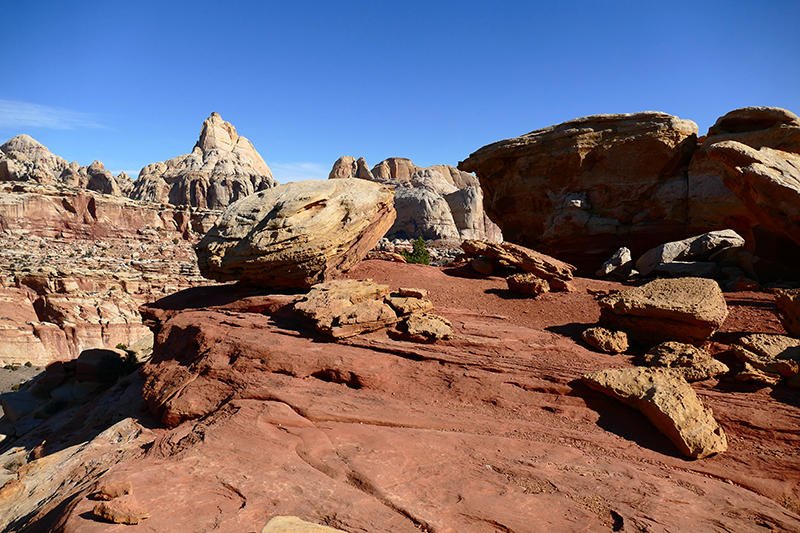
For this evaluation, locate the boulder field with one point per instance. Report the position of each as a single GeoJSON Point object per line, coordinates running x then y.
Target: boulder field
{"type": "Point", "coordinates": [253, 415]}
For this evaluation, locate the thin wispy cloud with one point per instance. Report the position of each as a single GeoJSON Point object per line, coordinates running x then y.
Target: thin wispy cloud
{"type": "Point", "coordinates": [286, 172]}
{"type": "Point", "coordinates": [16, 115]}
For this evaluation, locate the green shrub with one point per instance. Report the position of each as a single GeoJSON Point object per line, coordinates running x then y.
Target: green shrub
{"type": "Point", "coordinates": [121, 346]}
{"type": "Point", "coordinates": [419, 254]}
{"type": "Point", "coordinates": [29, 364]}
{"type": "Point", "coordinates": [112, 368]}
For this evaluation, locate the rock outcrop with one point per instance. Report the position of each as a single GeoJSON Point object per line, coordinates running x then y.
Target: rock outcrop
{"type": "Point", "coordinates": [541, 265]}
{"type": "Point", "coordinates": [25, 159]}
{"type": "Point", "coordinates": [222, 168]}
{"type": "Point", "coordinates": [767, 182]}
{"type": "Point", "coordinates": [297, 235]}
{"type": "Point", "coordinates": [685, 310]}
{"type": "Point", "coordinates": [570, 190]}
{"type": "Point", "coordinates": [693, 249]}
{"type": "Point", "coordinates": [670, 404]}
{"type": "Point", "coordinates": [438, 202]}
{"type": "Point", "coordinates": [712, 205]}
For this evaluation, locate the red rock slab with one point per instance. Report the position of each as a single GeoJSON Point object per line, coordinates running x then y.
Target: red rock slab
{"type": "Point", "coordinates": [489, 430]}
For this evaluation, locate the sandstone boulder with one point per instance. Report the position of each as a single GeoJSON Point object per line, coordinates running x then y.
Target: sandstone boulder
{"type": "Point", "coordinates": [766, 181]}
{"type": "Point", "coordinates": [698, 248]}
{"type": "Point", "coordinates": [685, 309]}
{"type": "Point", "coordinates": [123, 510]}
{"type": "Point", "coordinates": [670, 404]}
{"type": "Point", "coordinates": [771, 365]}
{"type": "Point", "coordinates": [605, 340]}
{"type": "Point", "coordinates": [686, 360]}
{"type": "Point", "coordinates": [590, 185]}
{"type": "Point", "coordinates": [618, 266]}
{"type": "Point", "coordinates": [541, 265]}
{"type": "Point", "coordinates": [425, 327]}
{"type": "Point", "coordinates": [527, 283]}
{"type": "Point", "coordinates": [223, 167]}
{"type": "Point", "coordinates": [297, 235]}
{"type": "Point", "coordinates": [772, 346]}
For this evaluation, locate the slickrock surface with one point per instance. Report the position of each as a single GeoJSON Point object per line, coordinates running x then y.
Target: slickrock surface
{"type": "Point", "coordinates": [222, 168]}
{"type": "Point", "coordinates": [489, 430]}
{"type": "Point", "coordinates": [297, 235]}
{"type": "Point", "coordinates": [569, 190]}
{"type": "Point", "coordinates": [686, 310]}
{"type": "Point", "coordinates": [438, 202]}
{"type": "Point", "coordinates": [670, 404]}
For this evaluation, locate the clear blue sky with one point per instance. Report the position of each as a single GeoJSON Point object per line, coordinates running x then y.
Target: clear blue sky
{"type": "Point", "coordinates": [130, 83]}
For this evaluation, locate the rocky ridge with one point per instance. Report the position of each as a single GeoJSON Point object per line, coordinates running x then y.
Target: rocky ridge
{"type": "Point", "coordinates": [435, 203]}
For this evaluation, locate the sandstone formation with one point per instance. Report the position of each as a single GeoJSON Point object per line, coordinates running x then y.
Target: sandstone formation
{"type": "Point", "coordinates": [527, 283]}
{"type": "Point", "coordinates": [568, 190]}
{"type": "Point", "coordinates": [489, 430]}
{"type": "Point", "coordinates": [75, 265]}
{"type": "Point", "coordinates": [767, 182]}
{"type": "Point", "coordinates": [712, 205]}
{"type": "Point", "coordinates": [222, 168]}
{"type": "Point", "coordinates": [297, 235]}
{"type": "Point", "coordinates": [619, 266]}
{"type": "Point", "coordinates": [438, 202]}
{"type": "Point", "coordinates": [292, 524]}
{"type": "Point", "coordinates": [670, 404]}
{"type": "Point", "coordinates": [685, 310]}
{"type": "Point", "coordinates": [686, 360]}
{"type": "Point", "coordinates": [25, 159]}
{"type": "Point", "coordinates": [543, 266]}
{"type": "Point", "coordinates": [605, 340]}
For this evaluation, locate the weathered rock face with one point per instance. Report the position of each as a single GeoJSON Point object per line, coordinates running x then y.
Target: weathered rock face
{"type": "Point", "coordinates": [669, 402]}
{"type": "Point", "coordinates": [569, 190]}
{"type": "Point", "coordinates": [222, 168]}
{"type": "Point", "coordinates": [297, 235]}
{"type": "Point", "coordinates": [438, 202]}
{"type": "Point", "coordinates": [25, 159]}
{"type": "Point", "coordinates": [712, 205]}
{"type": "Point", "coordinates": [767, 181]}
{"type": "Point", "coordinates": [685, 310]}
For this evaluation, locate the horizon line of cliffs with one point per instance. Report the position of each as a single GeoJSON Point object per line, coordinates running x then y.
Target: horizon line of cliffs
{"type": "Point", "coordinates": [578, 190]}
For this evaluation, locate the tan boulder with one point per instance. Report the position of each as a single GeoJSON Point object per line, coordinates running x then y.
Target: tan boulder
{"type": "Point", "coordinates": [326, 298]}
{"type": "Point", "coordinates": [605, 340]}
{"type": "Point", "coordinates": [541, 265]}
{"type": "Point", "coordinates": [590, 185]}
{"type": "Point", "coordinates": [356, 319]}
{"type": "Point", "coordinates": [425, 327]}
{"type": "Point", "coordinates": [123, 510]}
{"type": "Point", "coordinates": [690, 362]}
{"type": "Point", "coordinates": [772, 346]}
{"type": "Point", "coordinates": [527, 283]}
{"type": "Point", "coordinates": [766, 181]}
{"type": "Point", "coordinates": [685, 309]}
{"type": "Point", "coordinates": [298, 234]}
{"type": "Point", "coordinates": [222, 168]}
{"type": "Point", "coordinates": [751, 373]}
{"type": "Point", "coordinates": [670, 404]}
{"type": "Point", "coordinates": [771, 365]}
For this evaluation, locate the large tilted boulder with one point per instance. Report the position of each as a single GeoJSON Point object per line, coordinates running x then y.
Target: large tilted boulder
{"type": "Point", "coordinates": [222, 168]}
{"type": "Point", "coordinates": [669, 402]}
{"type": "Point", "coordinates": [437, 202]}
{"type": "Point", "coordinates": [297, 235]}
{"type": "Point", "coordinates": [712, 205]}
{"type": "Point", "coordinates": [766, 181]}
{"type": "Point", "coordinates": [590, 185]}
{"type": "Point", "coordinates": [684, 309]}
{"type": "Point", "coordinates": [543, 266]}
{"type": "Point", "coordinates": [693, 249]}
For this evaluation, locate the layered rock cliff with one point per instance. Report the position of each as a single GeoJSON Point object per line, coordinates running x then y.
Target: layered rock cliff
{"type": "Point", "coordinates": [223, 167]}
{"type": "Point", "coordinates": [437, 202]}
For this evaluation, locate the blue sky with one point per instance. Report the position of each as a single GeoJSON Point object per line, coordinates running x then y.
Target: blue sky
{"type": "Point", "coordinates": [130, 83]}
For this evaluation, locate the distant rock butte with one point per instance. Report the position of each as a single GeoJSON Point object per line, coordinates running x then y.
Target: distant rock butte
{"type": "Point", "coordinates": [223, 167]}
{"type": "Point", "coordinates": [437, 202]}
{"type": "Point", "coordinates": [25, 159]}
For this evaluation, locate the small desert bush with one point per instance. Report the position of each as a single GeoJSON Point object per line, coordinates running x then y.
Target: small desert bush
{"type": "Point", "coordinates": [418, 254]}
